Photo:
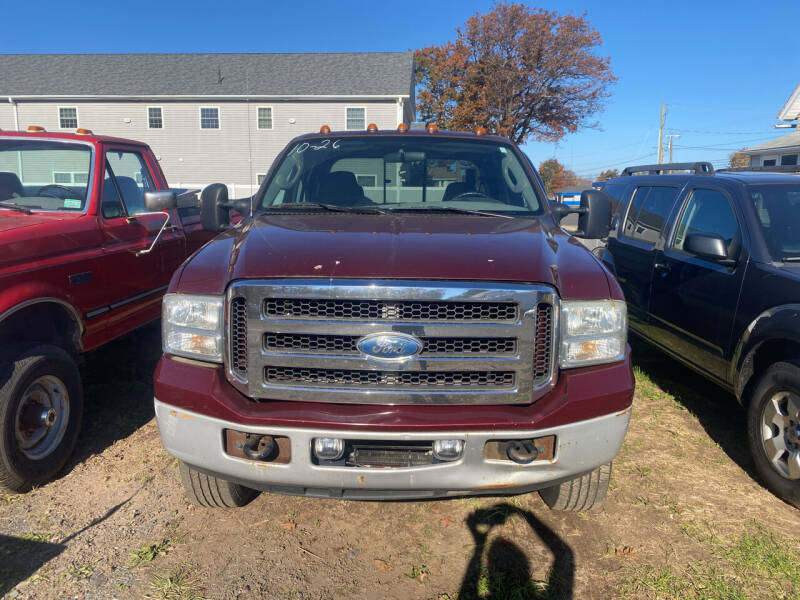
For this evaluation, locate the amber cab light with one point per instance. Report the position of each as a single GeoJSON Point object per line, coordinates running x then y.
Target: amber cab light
{"type": "Point", "coordinates": [402, 128]}
{"type": "Point", "coordinates": [83, 131]}
{"type": "Point", "coordinates": [372, 128]}
{"type": "Point", "coordinates": [36, 128]}
{"type": "Point", "coordinates": [324, 129]}
{"type": "Point", "coordinates": [480, 131]}
{"type": "Point", "coordinates": [432, 128]}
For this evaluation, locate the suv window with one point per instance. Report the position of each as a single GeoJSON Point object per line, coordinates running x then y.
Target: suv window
{"type": "Point", "coordinates": [615, 190]}
{"type": "Point", "coordinates": [707, 211]}
{"type": "Point", "coordinates": [649, 209]}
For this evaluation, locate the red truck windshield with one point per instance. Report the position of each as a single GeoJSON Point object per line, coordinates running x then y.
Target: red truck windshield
{"type": "Point", "coordinates": [44, 175]}
{"type": "Point", "coordinates": [411, 173]}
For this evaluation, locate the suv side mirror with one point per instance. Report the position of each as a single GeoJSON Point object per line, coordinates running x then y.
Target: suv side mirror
{"type": "Point", "coordinates": [707, 245]}
{"type": "Point", "coordinates": [594, 221]}
{"type": "Point", "coordinates": [158, 200]}
{"type": "Point", "coordinates": [214, 207]}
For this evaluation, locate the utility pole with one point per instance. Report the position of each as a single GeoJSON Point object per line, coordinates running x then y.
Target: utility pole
{"type": "Point", "coordinates": [661, 137]}
{"type": "Point", "coordinates": [671, 136]}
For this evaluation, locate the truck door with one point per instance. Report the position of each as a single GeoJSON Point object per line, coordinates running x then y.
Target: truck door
{"type": "Point", "coordinates": [693, 302]}
{"type": "Point", "coordinates": [635, 246]}
{"type": "Point", "coordinates": [127, 231]}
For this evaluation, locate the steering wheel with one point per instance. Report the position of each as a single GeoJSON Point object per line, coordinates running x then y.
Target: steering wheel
{"type": "Point", "coordinates": [471, 194]}
{"type": "Point", "coordinates": [70, 192]}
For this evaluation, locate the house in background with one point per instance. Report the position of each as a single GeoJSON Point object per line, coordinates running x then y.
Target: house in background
{"type": "Point", "coordinates": [571, 195]}
{"type": "Point", "coordinates": [783, 151]}
{"type": "Point", "coordinates": [208, 117]}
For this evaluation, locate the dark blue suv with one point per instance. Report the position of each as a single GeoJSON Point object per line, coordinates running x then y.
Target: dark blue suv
{"type": "Point", "coordinates": [710, 266]}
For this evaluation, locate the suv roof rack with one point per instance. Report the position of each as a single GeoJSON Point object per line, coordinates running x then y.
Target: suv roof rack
{"type": "Point", "coordinates": [699, 168]}
{"type": "Point", "coordinates": [767, 169]}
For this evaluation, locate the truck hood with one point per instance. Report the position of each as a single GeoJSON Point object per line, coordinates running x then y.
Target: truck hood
{"type": "Point", "coordinates": [436, 246]}
{"type": "Point", "coordinates": [12, 219]}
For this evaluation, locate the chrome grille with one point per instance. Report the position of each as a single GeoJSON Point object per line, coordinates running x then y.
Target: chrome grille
{"type": "Point", "coordinates": [482, 343]}
{"type": "Point", "coordinates": [347, 344]}
{"type": "Point", "coordinates": [389, 379]}
{"type": "Point", "coordinates": [309, 308]}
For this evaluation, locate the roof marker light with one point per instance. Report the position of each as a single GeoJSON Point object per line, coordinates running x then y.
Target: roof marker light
{"type": "Point", "coordinates": [432, 128]}
{"type": "Point", "coordinates": [36, 128]}
{"type": "Point", "coordinates": [83, 131]}
{"type": "Point", "coordinates": [402, 128]}
{"type": "Point", "coordinates": [372, 128]}
{"type": "Point", "coordinates": [324, 129]}
{"type": "Point", "coordinates": [480, 130]}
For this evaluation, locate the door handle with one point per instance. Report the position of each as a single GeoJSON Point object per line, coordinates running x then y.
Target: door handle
{"type": "Point", "coordinates": [664, 268]}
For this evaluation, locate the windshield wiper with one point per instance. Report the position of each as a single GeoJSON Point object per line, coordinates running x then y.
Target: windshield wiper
{"type": "Point", "coordinates": [300, 206]}
{"type": "Point", "coordinates": [23, 209]}
{"type": "Point", "coordinates": [453, 209]}
{"type": "Point", "coordinates": [790, 259]}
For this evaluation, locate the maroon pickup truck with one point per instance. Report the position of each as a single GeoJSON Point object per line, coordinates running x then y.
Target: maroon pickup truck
{"type": "Point", "coordinates": [89, 238]}
{"type": "Point", "coordinates": [400, 316]}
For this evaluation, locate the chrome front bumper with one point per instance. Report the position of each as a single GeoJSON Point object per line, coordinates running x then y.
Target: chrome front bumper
{"type": "Point", "coordinates": [580, 447]}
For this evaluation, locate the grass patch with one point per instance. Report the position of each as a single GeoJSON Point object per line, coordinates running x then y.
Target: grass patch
{"type": "Point", "coordinates": [179, 585]}
{"type": "Point", "coordinates": [760, 554]}
{"type": "Point", "coordinates": [150, 552]}
{"type": "Point", "coordinates": [78, 571]}
{"type": "Point", "coordinates": [697, 582]}
{"type": "Point", "coordinates": [37, 537]}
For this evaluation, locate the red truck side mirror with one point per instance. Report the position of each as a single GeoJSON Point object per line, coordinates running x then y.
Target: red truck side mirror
{"type": "Point", "coordinates": [158, 200]}
{"type": "Point", "coordinates": [594, 221]}
{"type": "Point", "coordinates": [214, 207]}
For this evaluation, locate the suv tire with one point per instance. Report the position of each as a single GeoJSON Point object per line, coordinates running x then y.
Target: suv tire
{"type": "Point", "coordinates": [213, 492]}
{"type": "Point", "coordinates": [41, 404]}
{"type": "Point", "coordinates": [586, 492]}
{"type": "Point", "coordinates": [773, 430]}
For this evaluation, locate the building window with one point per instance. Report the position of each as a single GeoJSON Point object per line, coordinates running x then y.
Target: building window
{"type": "Point", "coordinates": [789, 159]}
{"type": "Point", "coordinates": [260, 177]}
{"type": "Point", "coordinates": [68, 118]}
{"type": "Point", "coordinates": [209, 118]}
{"type": "Point", "coordinates": [366, 180]}
{"type": "Point", "coordinates": [155, 119]}
{"type": "Point", "coordinates": [769, 162]}
{"type": "Point", "coordinates": [265, 117]}
{"type": "Point", "coordinates": [356, 118]}
{"type": "Point", "coordinates": [62, 177]}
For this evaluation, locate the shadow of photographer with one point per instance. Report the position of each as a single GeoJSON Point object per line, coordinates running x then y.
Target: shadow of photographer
{"type": "Point", "coordinates": [507, 572]}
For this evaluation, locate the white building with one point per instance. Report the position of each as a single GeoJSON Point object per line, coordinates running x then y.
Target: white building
{"type": "Point", "coordinates": [208, 117]}
{"type": "Point", "coordinates": [785, 150]}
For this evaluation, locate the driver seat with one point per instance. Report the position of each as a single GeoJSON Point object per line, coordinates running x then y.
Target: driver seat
{"type": "Point", "coordinates": [10, 186]}
{"type": "Point", "coordinates": [340, 188]}
{"type": "Point", "coordinates": [455, 189]}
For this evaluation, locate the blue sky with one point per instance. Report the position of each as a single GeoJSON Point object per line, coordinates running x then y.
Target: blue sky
{"type": "Point", "coordinates": [724, 69]}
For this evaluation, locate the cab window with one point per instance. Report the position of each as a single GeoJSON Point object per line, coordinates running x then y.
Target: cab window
{"type": "Point", "coordinates": [126, 180]}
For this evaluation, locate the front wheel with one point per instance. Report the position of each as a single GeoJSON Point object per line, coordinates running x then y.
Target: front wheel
{"type": "Point", "coordinates": [586, 492]}
{"type": "Point", "coordinates": [41, 405]}
{"type": "Point", "coordinates": [213, 492]}
{"type": "Point", "coordinates": [773, 430]}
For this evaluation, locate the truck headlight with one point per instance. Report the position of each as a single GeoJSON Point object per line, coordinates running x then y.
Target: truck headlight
{"type": "Point", "coordinates": [192, 326]}
{"type": "Point", "coordinates": [592, 332]}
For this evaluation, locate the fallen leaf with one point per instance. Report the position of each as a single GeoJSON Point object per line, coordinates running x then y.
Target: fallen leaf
{"type": "Point", "coordinates": [447, 521]}
{"type": "Point", "coordinates": [422, 576]}
{"type": "Point", "coordinates": [625, 551]}
{"type": "Point", "coordinates": [382, 565]}
{"type": "Point", "coordinates": [288, 526]}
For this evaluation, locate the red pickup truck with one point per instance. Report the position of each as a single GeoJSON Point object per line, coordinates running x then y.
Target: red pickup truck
{"type": "Point", "coordinates": [89, 238]}
{"type": "Point", "coordinates": [400, 316]}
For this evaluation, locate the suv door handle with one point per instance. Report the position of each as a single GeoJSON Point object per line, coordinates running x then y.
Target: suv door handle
{"type": "Point", "coordinates": [664, 268]}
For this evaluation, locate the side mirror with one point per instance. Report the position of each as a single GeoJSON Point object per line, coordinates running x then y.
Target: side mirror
{"type": "Point", "coordinates": [594, 221]}
{"type": "Point", "coordinates": [214, 207]}
{"type": "Point", "coordinates": [707, 245]}
{"type": "Point", "coordinates": [158, 200]}
{"type": "Point", "coordinates": [560, 210]}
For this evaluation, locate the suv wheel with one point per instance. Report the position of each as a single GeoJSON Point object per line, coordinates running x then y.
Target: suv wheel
{"type": "Point", "coordinates": [40, 413]}
{"type": "Point", "coordinates": [773, 430]}
{"type": "Point", "coordinates": [586, 492]}
{"type": "Point", "coordinates": [213, 492]}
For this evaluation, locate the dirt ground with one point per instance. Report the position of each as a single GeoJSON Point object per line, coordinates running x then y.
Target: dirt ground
{"type": "Point", "coordinates": [684, 518]}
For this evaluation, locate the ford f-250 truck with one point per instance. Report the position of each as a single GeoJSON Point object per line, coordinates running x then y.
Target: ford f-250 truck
{"type": "Point", "coordinates": [86, 253]}
{"type": "Point", "coordinates": [399, 317]}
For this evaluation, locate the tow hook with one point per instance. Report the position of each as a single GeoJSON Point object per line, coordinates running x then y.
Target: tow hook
{"type": "Point", "coordinates": [522, 452]}
{"type": "Point", "coordinates": [251, 444]}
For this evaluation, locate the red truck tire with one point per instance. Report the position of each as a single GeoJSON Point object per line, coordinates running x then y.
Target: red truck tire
{"type": "Point", "coordinates": [213, 492]}
{"type": "Point", "coordinates": [41, 404]}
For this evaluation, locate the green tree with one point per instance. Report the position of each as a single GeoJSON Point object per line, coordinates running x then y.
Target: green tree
{"type": "Point", "coordinates": [737, 160]}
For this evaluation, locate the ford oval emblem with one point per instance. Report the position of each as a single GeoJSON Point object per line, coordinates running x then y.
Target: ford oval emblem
{"type": "Point", "coordinates": [389, 346]}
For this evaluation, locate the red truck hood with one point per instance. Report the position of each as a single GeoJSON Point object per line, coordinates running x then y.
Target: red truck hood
{"type": "Point", "coordinates": [12, 219]}
{"type": "Point", "coordinates": [436, 246]}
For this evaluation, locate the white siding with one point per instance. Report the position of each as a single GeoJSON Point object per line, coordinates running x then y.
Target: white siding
{"type": "Point", "coordinates": [191, 156]}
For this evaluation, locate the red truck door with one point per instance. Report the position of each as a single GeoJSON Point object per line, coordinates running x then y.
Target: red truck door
{"type": "Point", "coordinates": [134, 279]}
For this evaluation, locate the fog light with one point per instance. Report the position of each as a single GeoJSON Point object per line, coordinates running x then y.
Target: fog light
{"type": "Point", "coordinates": [328, 448]}
{"type": "Point", "coordinates": [448, 449]}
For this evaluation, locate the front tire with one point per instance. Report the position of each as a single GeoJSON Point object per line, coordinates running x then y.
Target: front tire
{"type": "Point", "coordinates": [213, 492]}
{"type": "Point", "coordinates": [586, 492]}
{"type": "Point", "coordinates": [773, 430]}
{"type": "Point", "coordinates": [41, 405]}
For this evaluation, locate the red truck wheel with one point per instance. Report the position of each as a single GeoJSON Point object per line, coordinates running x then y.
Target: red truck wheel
{"type": "Point", "coordinates": [586, 492]}
{"type": "Point", "coordinates": [212, 492]}
{"type": "Point", "coordinates": [41, 404]}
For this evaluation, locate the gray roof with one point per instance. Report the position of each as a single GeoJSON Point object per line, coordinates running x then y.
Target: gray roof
{"type": "Point", "coordinates": [787, 141]}
{"type": "Point", "coordinates": [335, 74]}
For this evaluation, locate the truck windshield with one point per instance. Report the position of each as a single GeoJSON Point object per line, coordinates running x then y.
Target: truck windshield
{"type": "Point", "coordinates": [409, 173]}
{"type": "Point", "coordinates": [44, 175]}
{"type": "Point", "coordinates": [778, 211]}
